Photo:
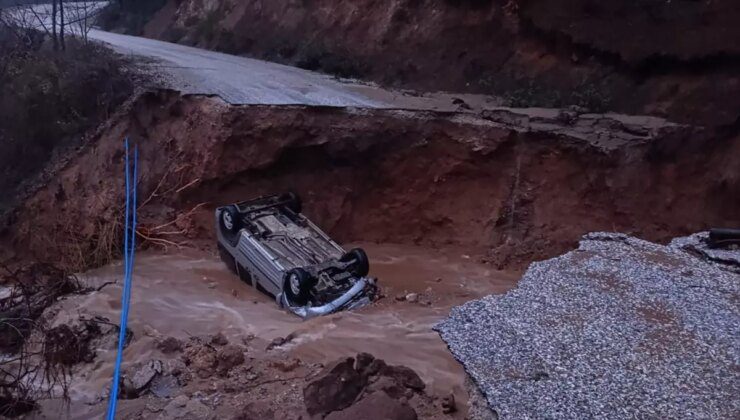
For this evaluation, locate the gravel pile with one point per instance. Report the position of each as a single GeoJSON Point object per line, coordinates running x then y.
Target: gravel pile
{"type": "Point", "coordinates": [619, 328]}
{"type": "Point", "coordinates": [697, 245]}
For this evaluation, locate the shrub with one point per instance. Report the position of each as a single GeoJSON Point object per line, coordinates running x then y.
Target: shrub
{"type": "Point", "coordinates": [49, 99]}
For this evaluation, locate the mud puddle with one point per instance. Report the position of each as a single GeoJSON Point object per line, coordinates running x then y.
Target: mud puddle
{"type": "Point", "coordinates": [192, 293]}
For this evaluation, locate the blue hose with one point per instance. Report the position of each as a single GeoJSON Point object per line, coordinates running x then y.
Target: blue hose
{"type": "Point", "coordinates": [129, 248]}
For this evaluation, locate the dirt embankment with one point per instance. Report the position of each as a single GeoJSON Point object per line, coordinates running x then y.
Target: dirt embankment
{"type": "Point", "coordinates": [675, 59]}
{"type": "Point", "coordinates": [513, 187]}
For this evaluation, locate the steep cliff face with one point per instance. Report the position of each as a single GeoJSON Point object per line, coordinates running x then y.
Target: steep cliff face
{"type": "Point", "coordinates": [677, 59]}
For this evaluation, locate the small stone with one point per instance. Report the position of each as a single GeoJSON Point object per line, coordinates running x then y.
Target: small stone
{"type": "Point", "coordinates": [276, 342]}
{"type": "Point", "coordinates": [144, 376]}
{"type": "Point", "coordinates": [400, 297]}
{"type": "Point", "coordinates": [212, 285]}
{"type": "Point", "coordinates": [412, 297]}
{"type": "Point", "coordinates": [149, 331]}
{"type": "Point", "coordinates": [448, 404]}
{"type": "Point", "coordinates": [438, 279]}
{"type": "Point", "coordinates": [287, 365]}
{"type": "Point", "coordinates": [169, 345]}
{"type": "Point", "coordinates": [180, 401]}
{"type": "Point", "coordinates": [219, 339]}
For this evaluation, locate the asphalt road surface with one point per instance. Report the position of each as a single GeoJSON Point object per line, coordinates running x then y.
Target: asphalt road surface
{"type": "Point", "coordinates": [241, 80]}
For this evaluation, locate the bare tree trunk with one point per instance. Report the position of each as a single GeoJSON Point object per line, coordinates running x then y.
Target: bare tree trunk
{"type": "Point", "coordinates": [61, 25]}
{"type": "Point", "coordinates": [54, 24]}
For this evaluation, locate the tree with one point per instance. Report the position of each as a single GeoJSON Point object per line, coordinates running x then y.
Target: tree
{"type": "Point", "coordinates": [61, 24]}
{"type": "Point", "coordinates": [54, 24]}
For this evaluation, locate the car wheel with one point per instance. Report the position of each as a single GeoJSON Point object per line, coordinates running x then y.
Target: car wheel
{"type": "Point", "coordinates": [230, 219]}
{"type": "Point", "coordinates": [227, 258]}
{"type": "Point", "coordinates": [297, 285]}
{"type": "Point", "coordinates": [292, 201]}
{"type": "Point", "coordinates": [361, 265]}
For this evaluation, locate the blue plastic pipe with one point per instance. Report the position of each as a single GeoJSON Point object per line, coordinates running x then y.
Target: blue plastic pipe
{"type": "Point", "coordinates": [129, 248]}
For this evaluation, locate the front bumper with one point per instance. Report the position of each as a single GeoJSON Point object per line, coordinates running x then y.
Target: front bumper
{"type": "Point", "coordinates": [359, 295]}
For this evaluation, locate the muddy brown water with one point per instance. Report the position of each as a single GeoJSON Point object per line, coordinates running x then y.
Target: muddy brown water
{"type": "Point", "coordinates": [192, 293]}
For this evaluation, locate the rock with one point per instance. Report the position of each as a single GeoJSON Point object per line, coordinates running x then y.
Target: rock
{"type": "Point", "coordinates": [412, 297]}
{"type": "Point", "coordinates": [280, 341]}
{"type": "Point", "coordinates": [336, 388]}
{"type": "Point", "coordinates": [400, 297]}
{"type": "Point", "coordinates": [201, 359]}
{"type": "Point", "coordinates": [375, 406]}
{"type": "Point", "coordinates": [219, 339]}
{"type": "Point", "coordinates": [145, 374]}
{"type": "Point", "coordinates": [438, 279]}
{"type": "Point", "coordinates": [390, 386]}
{"type": "Point", "coordinates": [286, 365]}
{"type": "Point", "coordinates": [448, 404]}
{"type": "Point", "coordinates": [229, 357]}
{"type": "Point", "coordinates": [404, 376]}
{"type": "Point", "coordinates": [258, 410]}
{"type": "Point", "coordinates": [362, 363]}
{"type": "Point", "coordinates": [169, 345]}
{"type": "Point", "coordinates": [180, 401]}
{"type": "Point", "coordinates": [374, 368]}
{"type": "Point", "coordinates": [182, 408]}
{"type": "Point", "coordinates": [276, 342]}
{"type": "Point", "coordinates": [164, 386]}
{"type": "Point", "coordinates": [149, 331]}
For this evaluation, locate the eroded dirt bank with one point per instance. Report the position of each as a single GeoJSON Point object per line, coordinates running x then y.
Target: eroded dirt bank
{"type": "Point", "coordinates": [512, 185]}
{"type": "Point", "coordinates": [677, 59]}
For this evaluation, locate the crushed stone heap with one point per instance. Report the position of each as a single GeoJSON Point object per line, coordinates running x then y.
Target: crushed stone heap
{"type": "Point", "coordinates": [619, 328]}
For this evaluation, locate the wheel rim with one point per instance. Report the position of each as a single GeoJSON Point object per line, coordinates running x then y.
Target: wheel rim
{"type": "Point", "coordinates": [295, 284]}
{"type": "Point", "coordinates": [228, 221]}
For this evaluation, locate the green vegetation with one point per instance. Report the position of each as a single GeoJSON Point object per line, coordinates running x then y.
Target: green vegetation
{"type": "Point", "coordinates": [129, 16]}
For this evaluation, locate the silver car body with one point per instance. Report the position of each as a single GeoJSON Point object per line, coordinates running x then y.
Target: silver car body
{"type": "Point", "coordinates": [275, 240]}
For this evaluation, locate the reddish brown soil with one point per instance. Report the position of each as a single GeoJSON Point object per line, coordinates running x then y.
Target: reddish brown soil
{"type": "Point", "coordinates": [678, 59]}
{"type": "Point", "coordinates": [510, 193]}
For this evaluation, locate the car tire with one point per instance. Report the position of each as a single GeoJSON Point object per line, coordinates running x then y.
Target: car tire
{"type": "Point", "coordinates": [361, 266]}
{"type": "Point", "coordinates": [292, 201]}
{"type": "Point", "coordinates": [297, 285]}
{"type": "Point", "coordinates": [227, 258]}
{"type": "Point", "coordinates": [230, 219]}
{"type": "Point", "coordinates": [719, 238]}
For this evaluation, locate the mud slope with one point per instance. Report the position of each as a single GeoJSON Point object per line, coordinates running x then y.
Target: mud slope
{"type": "Point", "coordinates": [678, 59]}
{"type": "Point", "coordinates": [512, 185]}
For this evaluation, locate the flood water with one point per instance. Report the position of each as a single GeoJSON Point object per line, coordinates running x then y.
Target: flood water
{"type": "Point", "coordinates": [192, 293]}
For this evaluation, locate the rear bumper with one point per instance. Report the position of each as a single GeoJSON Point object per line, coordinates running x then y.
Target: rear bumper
{"type": "Point", "coordinates": [357, 296]}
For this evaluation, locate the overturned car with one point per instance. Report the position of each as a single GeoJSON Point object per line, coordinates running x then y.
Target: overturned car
{"type": "Point", "coordinates": [269, 244]}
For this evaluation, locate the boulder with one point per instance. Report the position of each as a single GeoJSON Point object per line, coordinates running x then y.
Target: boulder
{"type": "Point", "coordinates": [375, 406]}
{"type": "Point", "coordinates": [336, 388]}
